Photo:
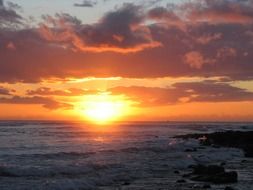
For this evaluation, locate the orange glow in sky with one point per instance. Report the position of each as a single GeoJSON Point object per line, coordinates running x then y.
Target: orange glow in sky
{"type": "Point", "coordinates": [103, 108]}
{"type": "Point", "coordinates": [126, 60]}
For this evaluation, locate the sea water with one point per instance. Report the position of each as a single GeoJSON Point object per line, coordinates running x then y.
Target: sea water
{"type": "Point", "coordinates": [131, 155]}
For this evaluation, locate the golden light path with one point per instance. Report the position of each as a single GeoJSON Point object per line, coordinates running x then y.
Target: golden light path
{"type": "Point", "coordinates": [103, 108]}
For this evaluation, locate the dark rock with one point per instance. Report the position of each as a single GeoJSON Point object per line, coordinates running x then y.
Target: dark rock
{"type": "Point", "coordinates": [196, 186]}
{"type": "Point", "coordinates": [248, 151]}
{"type": "Point", "coordinates": [5, 173]}
{"type": "Point", "coordinates": [221, 178]}
{"type": "Point", "coordinates": [191, 166]}
{"type": "Point", "coordinates": [205, 141]}
{"type": "Point", "coordinates": [176, 172]}
{"type": "Point", "coordinates": [226, 177]}
{"type": "Point", "coordinates": [234, 139]}
{"type": "Point", "coordinates": [206, 186]}
{"type": "Point", "coordinates": [190, 150]}
{"type": "Point", "coordinates": [213, 173]}
{"type": "Point", "coordinates": [222, 163]}
{"type": "Point", "coordinates": [186, 175]}
{"type": "Point", "coordinates": [208, 170]}
{"type": "Point", "coordinates": [228, 188]}
{"type": "Point", "coordinates": [126, 183]}
{"type": "Point", "coordinates": [181, 181]}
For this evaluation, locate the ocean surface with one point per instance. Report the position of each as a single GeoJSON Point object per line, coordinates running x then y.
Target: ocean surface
{"type": "Point", "coordinates": [139, 155]}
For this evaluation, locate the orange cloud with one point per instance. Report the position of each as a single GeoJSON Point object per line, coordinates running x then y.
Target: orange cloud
{"type": "Point", "coordinates": [124, 43]}
{"type": "Point", "coordinates": [180, 93]}
{"type": "Point", "coordinates": [44, 91]}
{"type": "Point", "coordinates": [46, 102]}
{"type": "Point", "coordinates": [196, 60]}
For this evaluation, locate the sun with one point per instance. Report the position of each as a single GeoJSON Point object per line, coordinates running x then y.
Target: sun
{"type": "Point", "coordinates": [103, 108]}
{"type": "Point", "coordinates": [103, 112]}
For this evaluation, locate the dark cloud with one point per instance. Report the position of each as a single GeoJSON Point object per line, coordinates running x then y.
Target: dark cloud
{"type": "Point", "coordinates": [86, 3]}
{"type": "Point", "coordinates": [216, 11]}
{"type": "Point", "coordinates": [124, 43]}
{"type": "Point", "coordinates": [148, 96]}
{"type": "Point", "coordinates": [162, 13]}
{"type": "Point", "coordinates": [44, 91]}
{"type": "Point", "coordinates": [9, 16]}
{"type": "Point", "coordinates": [179, 93]}
{"type": "Point", "coordinates": [5, 91]}
{"type": "Point", "coordinates": [34, 59]}
{"type": "Point", "coordinates": [46, 102]}
{"type": "Point", "coordinates": [118, 31]}
{"type": "Point", "coordinates": [214, 92]}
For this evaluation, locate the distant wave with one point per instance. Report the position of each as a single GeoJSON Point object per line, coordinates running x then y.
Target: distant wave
{"type": "Point", "coordinates": [59, 155]}
{"type": "Point", "coordinates": [53, 171]}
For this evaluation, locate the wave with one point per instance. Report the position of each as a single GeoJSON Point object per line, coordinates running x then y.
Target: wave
{"type": "Point", "coordinates": [52, 171]}
{"type": "Point", "coordinates": [61, 155]}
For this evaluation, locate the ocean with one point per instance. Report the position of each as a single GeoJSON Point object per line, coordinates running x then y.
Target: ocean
{"type": "Point", "coordinates": [38, 155]}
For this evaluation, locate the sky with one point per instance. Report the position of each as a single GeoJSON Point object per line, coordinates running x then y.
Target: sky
{"type": "Point", "coordinates": [129, 60]}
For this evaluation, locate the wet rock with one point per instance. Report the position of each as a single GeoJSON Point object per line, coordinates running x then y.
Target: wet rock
{"type": "Point", "coordinates": [176, 172]}
{"type": "Point", "coordinates": [126, 183]}
{"type": "Point", "coordinates": [207, 170]}
{"type": "Point", "coordinates": [206, 186]}
{"type": "Point", "coordinates": [5, 173]}
{"type": "Point", "coordinates": [190, 150]}
{"type": "Point", "coordinates": [196, 186]}
{"type": "Point", "coordinates": [181, 181]}
{"type": "Point", "coordinates": [186, 175]}
{"type": "Point", "coordinates": [205, 141]}
{"type": "Point", "coordinates": [191, 166]}
{"type": "Point", "coordinates": [248, 151]}
{"type": "Point", "coordinates": [229, 188]}
{"type": "Point", "coordinates": [221, 178]}
{"type": "Point", "coordinates": [233, 139]}
{"type": "Point", "coordinates": [213, 173]}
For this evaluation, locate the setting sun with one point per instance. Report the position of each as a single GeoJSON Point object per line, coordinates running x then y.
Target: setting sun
{"type": "Point", "coordinates": [103, 108]}
{"type": "Point", "coordinates": [102, 112]}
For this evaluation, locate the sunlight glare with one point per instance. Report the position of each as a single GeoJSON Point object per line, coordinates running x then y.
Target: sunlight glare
{"type": "Point", "coordinates": [103, 109]}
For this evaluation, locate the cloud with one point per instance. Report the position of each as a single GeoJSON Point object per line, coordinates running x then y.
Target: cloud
{"type": "Point", "coordinates": [178, 93]}
{"type": "Point", "coordinates": [216, 11]}
{"type": "Point", "coordinates": [226, 52]}
{"type": "Point", "coordinates": [37, 59]}
{"type": "Point", "coordinates": [148, 96]}
{"type": "Point", "coordinates": [207, 38]}
{"type": "Point", "coordinates": [8, 15]}
{"type": "Point", "coordinates": [11, 46]}
{"type": "Point", "coordinates": [86, 3]}
{"type": "Point", "coordinates": [196, 60]}
{"type": "Point", "coordinates": [5, 91]}
{"type": "Point", "coordinates": [119, 31]}
{"type": "Point", "coordinates": [162, 13]}
{"type": "Point", "coordinates": [46, 102]}
{"type": "Point", "coordinates": [44, 91]}
{"type": "Point", "coordinates": [209, 11]}
{"type": "Point", "coordinates": [127, 43]}
{"type": "Point", "coordinates": [215, 92]}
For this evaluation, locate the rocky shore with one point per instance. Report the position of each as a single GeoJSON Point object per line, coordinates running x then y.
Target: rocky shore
{"type": "Point", "coordinates": [213, 173]}
{"type": "Point", "coordinates": [233, 139]}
